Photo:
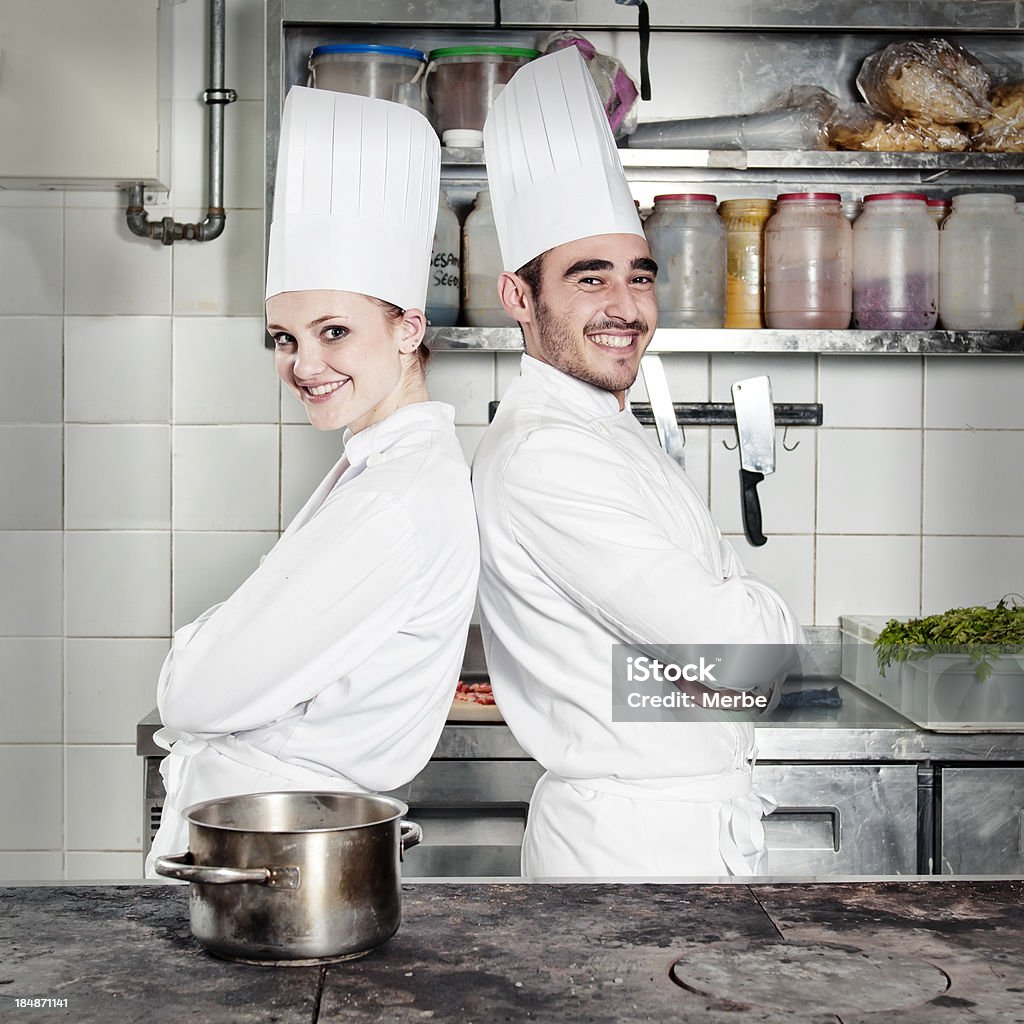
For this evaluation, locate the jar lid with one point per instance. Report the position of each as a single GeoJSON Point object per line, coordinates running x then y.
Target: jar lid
{"type": "Point", "coordinates": [477, 51]}
{"type": "Point", "coordinates": [982, 197]}
{"type": "Point", "coordinates": [788, 197]}
{"type": "Point", "coordinates": [391, 51]}
{"type": "Point", "coordinates": [759, 204]}
{"type": "Point", "coordinates": [462, 138]}
{"type": "Point", "coordinates": [896, 196]}
{"type": "Point", "coordinates": [700, 197]}
{"type": "Point", "coordinates": [939, 202]}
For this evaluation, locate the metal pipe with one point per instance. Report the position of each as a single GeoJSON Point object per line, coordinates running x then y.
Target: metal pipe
{"type": "Point", "coordinates": [168, 230]}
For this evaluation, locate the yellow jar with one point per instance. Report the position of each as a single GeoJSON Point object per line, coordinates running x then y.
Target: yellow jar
{"type": "Point", "coordinates": [744, 277]}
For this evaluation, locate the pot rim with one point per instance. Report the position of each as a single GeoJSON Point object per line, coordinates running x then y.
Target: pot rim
{"type": "Point", "coordinates": [398, 807]}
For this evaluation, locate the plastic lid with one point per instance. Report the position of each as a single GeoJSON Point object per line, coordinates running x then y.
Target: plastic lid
{"type": "Point", "coordinates": [476, 51]}
{"type": "Point", "coordinates": [939, 202]}
{"type": "Point", "coordinates": [701, 197]}
{"type": "Point", "coordinates": [463, 138]}
{"type": "Point", "coordinates": [391, 51]}
{"type": "Point", "coordinates": [788, 197]}
{"type": "Point", "coordinates": [904, 196]}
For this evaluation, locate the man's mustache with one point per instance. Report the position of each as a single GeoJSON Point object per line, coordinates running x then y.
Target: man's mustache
{"type": "Point", "coordinates": [637, 326]}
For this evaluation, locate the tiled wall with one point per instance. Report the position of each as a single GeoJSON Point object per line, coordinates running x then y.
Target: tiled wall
{"type": "Point", "coordinates": [148, 459]}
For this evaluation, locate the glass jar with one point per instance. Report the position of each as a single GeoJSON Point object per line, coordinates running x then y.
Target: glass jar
{"type": "Point", "coordinates": [481, 268]}
{"type": "Point", "coordinates": [938, 210]}
{"type": "Point", "coordinates": [744, 260]}
{"type": "Point", "coordinates": [687, 240]}
{"type": "Point", "coordinates": [981, 246]}
{"type": "Point", "coordinates": [443, 284]}
{"type": "Point", "coordinates": [895, 264]}
{"type": "Point", "coordinates": [808, 270]}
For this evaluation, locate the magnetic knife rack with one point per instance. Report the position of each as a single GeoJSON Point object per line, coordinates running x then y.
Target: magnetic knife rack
{"type": "Point", "coordinates": [719, 414]}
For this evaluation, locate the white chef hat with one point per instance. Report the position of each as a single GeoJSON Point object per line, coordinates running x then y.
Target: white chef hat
{"type": "Point", "coordinates": [552, 166]}
{"type": "Point", "coordinates": [355, 198]}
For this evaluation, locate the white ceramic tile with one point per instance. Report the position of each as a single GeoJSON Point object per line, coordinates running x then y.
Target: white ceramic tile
{"type": "Point", "coordinates": [787, 564]}
{"type": "Point", "coordinates": [109, 685]}
{"type": "Point", "coordinates": [118, 584]}
{"type": "Point", "coordinates": [870, 391]}
{"type": "Point", "coordinates": [31, 197]}
{"type": "Point", "coordinates": [961, 571]}
{"type": "Point", "coordinates": [974, 482]}
{"type": "Point", "coordinates": [244, 64]}
{"type": "Point", "coordinates": [243, 156]}
{"type": "Point", "coordinates": [103, 810]}
{"type": "Point", "coordinates": [30, 690]}
{"type": "Point", "coordinates": [306, 457]}
{"type": "Point", "coordinates": [118, 477]}
{"type": "Point", "coordinates": [464, 380]}
{"type": "Point", "coordinates": [866, 575]}
{"type": "Point", "coordinates": [869, 481]}
{"type": "Point", "coordinates": [787, 495]}
{"type": "Point", "coordinates": [794, 377]}
{"type": "Point", "coordinates": [105, 866]}
{"type": "Point", "coordinates": [469, 438]}
{"type": "Point", "coordinates": [292, 410]}
{"type": "Point", "coordinates": [30, 797]}
{"type": "Point", "coordinates": [209, 567]}
{"type": "Point", "coordinates": [222, 372]}
{"type": "Point", "coordinates": [687, 377]}
{"type": "Point", "coordinates": [507, 366]}
{"type": "Point", "coordinates": [110, 270]}
{"type": "Point", "coordinates": [30, 468]}
{"type": "Point", "coordinates": [978, 393]}
{"type": "Point", "coordinates": [30, 583]}
{"type": "Point", "coordinates": [225, 478]}
{"type": "Point", "coordinates": [30, 388]}
{"type": "Point", "coordinates": [31, 243]}
{"type": "Point", "coordinates": [190, 44]}
{"type": "Point", "coordinates": [118, 369]}
{"type": "Point", "coordinates": [32, 865]}
{"type": "Point", "coordinates": [222, 277]}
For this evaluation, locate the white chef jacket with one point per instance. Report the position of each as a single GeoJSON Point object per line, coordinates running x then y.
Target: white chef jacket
{"type": "Point", "coordinates": [333, 666]}
{"type": "Point", "coordinates": [590, 536]}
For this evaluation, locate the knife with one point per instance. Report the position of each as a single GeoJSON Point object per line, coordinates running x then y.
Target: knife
{"type": "Point", "coordinates": [669, 435]}
{"type": "Point", "coordinates": [755, 429]}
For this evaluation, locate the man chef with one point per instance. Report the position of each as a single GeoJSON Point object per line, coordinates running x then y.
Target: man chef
{"type": "Point", "coordinates": [591, 536]}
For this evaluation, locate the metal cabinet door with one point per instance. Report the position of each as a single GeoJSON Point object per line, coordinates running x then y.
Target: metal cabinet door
{"type": "Point", "coordinates": [981, 821]}
{"type": "Point", "coordinates": [840, 819]}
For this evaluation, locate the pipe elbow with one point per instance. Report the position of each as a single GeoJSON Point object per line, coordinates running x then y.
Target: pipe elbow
{"type": "Point", "coordinates": [213, 226]}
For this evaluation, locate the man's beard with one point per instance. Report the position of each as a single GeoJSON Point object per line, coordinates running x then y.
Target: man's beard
{"type": "Point", "coordinates": [564, 349]}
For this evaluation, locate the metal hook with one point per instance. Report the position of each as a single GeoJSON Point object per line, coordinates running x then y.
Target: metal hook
{"type": "Point", "coordinates": [729, 447]}
{"type": "Point", "coordinates": [785, 433]}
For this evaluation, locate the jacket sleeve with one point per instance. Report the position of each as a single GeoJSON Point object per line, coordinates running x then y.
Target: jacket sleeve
{"type": "Point", "coordinates": [321, 602]}
{"type": "Point", "coordinates": [576, 508]}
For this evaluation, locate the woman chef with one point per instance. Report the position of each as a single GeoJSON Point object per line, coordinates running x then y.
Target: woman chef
{"type": "Point", "coordinates": [333, 665]}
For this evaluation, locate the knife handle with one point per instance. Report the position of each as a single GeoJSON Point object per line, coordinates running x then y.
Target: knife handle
{"type": "Point", "coordinates": [749, 479]}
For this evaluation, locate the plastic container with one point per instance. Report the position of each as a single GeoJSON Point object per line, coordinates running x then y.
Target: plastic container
{"type": "Point", "coordinates": [895, 264]}
{"type": "Point", "coordinates": [744, 221]}
{"type": "Point", "coordinates": [383, 72]}
{"type": "Point", "coordinates": [808, 273]}
{"type": "Point", "coordinates": [938, 209]}
{"type": "Point", "coordinates": [687, 240]}
{"type": "Point", "coordinates": [443, 286]}
{"type": "Point", "coordinates": [981, 246]}
{"type": "Point", "coordinates": [942, 693]}
{"type": "Point", "coordinates": [859, 663]}
{"type": "Point", "coordinates": [462, 81]}
{"type": "Point", "coordinates": [481, 267]}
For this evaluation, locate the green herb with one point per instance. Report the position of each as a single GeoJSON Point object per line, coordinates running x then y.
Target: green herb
{"type": "Point", "coordinates": [981, 633]}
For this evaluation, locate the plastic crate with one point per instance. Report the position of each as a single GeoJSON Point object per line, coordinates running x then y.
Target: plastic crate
{"type": "Point", "coordinates": [859, 663]}
{"type": "Point", "coordinates": [942, 693]}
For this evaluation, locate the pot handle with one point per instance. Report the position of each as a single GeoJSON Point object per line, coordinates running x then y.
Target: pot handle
{"type": "Point", "coordinates": [180, 866]}
{"type": "Point", "coordinates": [410, 835]}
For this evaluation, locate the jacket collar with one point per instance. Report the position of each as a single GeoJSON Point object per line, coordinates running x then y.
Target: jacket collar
{"type": "Point", "coordinates": [586, 397]}
{"type": "Point", "coordinates": [379, 436]}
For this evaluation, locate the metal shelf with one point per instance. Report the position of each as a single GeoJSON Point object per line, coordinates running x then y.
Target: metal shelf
{"type": "Point", "coordinates": [701, 340]}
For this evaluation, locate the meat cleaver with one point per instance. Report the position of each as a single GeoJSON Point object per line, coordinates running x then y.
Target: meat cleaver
{"type": "Point", "coordinates": [755, 428]}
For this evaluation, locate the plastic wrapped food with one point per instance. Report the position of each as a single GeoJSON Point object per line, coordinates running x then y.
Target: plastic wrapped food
{"type": "Point", "coordinates": [1003, 130]}
{"type": "Point", "coordinates": [813, 100]}
{"type": "Point", "coordinates": [618, 92]}
{"type": "Point", "coordinates": [859, 127]}
{"type": "Point", "coordinates": [929, 80]}
{"type": "Point", "coordinates": [778, 129]}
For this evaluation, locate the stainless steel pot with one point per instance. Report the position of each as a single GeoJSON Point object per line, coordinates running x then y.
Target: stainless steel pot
{"type": "Point", "coordinates": [294, 877]}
